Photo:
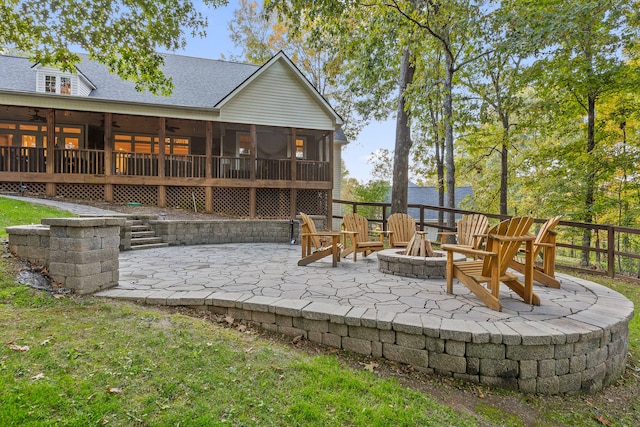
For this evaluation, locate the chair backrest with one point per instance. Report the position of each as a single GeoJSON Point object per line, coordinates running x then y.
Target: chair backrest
{"type": "Point", "coordinates": [514, 227]}
{"type": "Point", "coordinates": [470, 226]}
{"type": "Point", "coordinates": [357, 223]}
{"type": "Point", "coordinates": [544, 234]}
{"type": "Point", "coordinates": [402, 226]}
{"type": "Point", "coordinates": [308, 226]}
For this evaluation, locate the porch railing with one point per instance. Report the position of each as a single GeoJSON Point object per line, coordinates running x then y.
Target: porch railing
{"type": "Point", "coordinates": [185, 166]}
{"type": "Point", "coordinates": [136, 164]}
{"type": "Point", "coordinates": [92, 162]}
{"type": "Point", "coordinates": [278, 169]}
{"type": "Point", "coordinates": [22, 159]}
{"type": "Point", "coordinates": [232, 167]}
{"type": "Point", "coordinates": [313, 171]}
{"type": "Point", "coordinates": [614, 251]}
{"type": "Point", "coordinates": [79, 161]}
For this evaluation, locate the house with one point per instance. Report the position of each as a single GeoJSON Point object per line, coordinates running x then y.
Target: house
{"type": "Point", "coordinates": [417, 195]}
{"type": "Point", "coordinates": [239, 139]}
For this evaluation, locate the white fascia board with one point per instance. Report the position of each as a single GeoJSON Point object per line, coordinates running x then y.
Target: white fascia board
{"type": "Point", "coordinates": [80, 103]}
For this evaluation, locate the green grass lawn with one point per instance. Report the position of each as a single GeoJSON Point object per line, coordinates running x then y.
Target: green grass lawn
{"type": "Point", "coordinates": [91, 362]}
{"type": "Point", "coordinates": [17, 212]}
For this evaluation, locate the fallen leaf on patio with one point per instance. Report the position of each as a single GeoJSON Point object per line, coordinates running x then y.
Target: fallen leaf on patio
{"type": "Point", "coordinates": [45, 342]}
{"type": "Point", "coordinates": [242, 328]}
{"type": "Point", "coordinates": [105, 422]}
{"type": "Point", "coordinates": [17, 347]}
{"type": "Point", "coordinates": [114, 390]}
{"type": "Point", "coordinates": [297, 339]}
{"type": "Point", "coordinates": [209, 344]}
{"type": "Point", "coordinates": [248, 350]}
{"type": "Point", "coordinates": [229, 320]}
{"type": "Point", "coordinates": [370, 366]}
{"type": "Point", "coordinates": [38, 377]}
{"type": "Point", "coordinates": [603, 420]}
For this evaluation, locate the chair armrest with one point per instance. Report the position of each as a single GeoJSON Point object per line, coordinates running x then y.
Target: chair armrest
{"type": "Point", "coordinates": [466, 250]}
{"type": "Point", "coordinates": [545, 245]}
{"type": "Point", "coordinates": [512, 238]}
{"type": "Point", "coordinates": [447, 233]}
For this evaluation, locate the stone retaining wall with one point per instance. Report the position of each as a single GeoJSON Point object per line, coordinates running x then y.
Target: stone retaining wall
{"type": "Point", "coordinates": [567, 355]}
{"type": "Point", "coordinates": [202, 232]}
{"type": "Point", "coordinates": [80, 253]}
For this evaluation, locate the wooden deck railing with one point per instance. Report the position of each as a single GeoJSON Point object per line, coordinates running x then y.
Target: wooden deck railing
{"type": "Point", "coordinates": [615, 250]}
{"type": "Point", "coordinates": [92, 162]}
{"type": "Point", "coordinates": [22, 159]}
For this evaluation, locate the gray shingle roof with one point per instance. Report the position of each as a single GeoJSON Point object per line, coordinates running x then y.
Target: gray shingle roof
{"type": "Point", "coordinates": [198, 82]}
{"type": "Point", "coordinates": [417, 195]}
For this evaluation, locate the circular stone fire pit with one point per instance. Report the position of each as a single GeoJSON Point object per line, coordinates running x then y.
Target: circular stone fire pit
{"type": "Point", "coordinates": [393, 261]}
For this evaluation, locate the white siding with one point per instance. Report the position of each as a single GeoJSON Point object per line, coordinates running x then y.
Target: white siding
{"type": "Point", "coordinates": [81, 88]}
{"type": "Point", "coordinates": [78, 86]}
{"type": "Point", "coordinates": [277, 98]}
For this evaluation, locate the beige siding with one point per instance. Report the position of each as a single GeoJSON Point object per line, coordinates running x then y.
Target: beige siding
{"type": "Point", "coordinates": [277, 98]}
{"type": "Point", "coordinates": [337, 184]}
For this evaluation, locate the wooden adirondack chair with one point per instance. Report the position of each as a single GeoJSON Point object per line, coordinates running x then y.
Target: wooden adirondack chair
{"type": "Point", "coordinates": [356, 230]}
{"type": "Point", "coordinates": [313, 246]}
{"type": "Point", "coordinates": [503, 241]}
{"type": "Point", "coordinates": [401, 228]}
{"type": "Point", "coordinates": [470, 230]}
{"type": "Point", "coordinates": [546, 243]}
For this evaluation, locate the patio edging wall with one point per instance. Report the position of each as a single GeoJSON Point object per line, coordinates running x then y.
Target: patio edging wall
{"type": "Point", "coordinates": [187, 233]}
{"type": "Point", "coordinates": [575, 354]}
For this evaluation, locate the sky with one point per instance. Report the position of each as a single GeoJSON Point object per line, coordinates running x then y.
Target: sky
{"type": "Point", "coordinates": [377, 135]}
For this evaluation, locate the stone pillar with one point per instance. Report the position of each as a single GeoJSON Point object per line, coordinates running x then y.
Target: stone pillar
{"type": "Point", "coordinates": [84, 252]}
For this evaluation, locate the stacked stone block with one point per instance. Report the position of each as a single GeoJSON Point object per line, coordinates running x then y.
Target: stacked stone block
{"type": "Point", "coordinates": [30, 242]}
{"type": "Point", "coordinates": [568, 355]}
{"type": "Point", "coordinates": [202, 232]}
{"type": "Point", "coordinates": [83, 252]}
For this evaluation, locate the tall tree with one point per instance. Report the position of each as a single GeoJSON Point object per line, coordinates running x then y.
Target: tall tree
{"type": "Point", "coordinates": [373, 41]}
{"type": "Point", "coordinates": [260, 32]}
{"type": "Point", "coordinates": [453, 26]}
{"type": "Point", "coordinates": [584, 63]}
{"type": "Point", "coordinates": [124, 35]}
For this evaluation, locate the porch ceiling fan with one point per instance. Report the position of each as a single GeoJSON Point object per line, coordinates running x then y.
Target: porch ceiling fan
{"type": "Point", "coordinates": [35, 117]}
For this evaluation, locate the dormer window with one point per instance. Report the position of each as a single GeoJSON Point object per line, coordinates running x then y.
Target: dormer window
{"type": "Point", "coordinates": [57, 84]}
{"type": "Point", "coordinates": [54, 81]}
{"type": "Point", "coordinates": [65, 85]}
{"type": "Point", "coordinates": [50, 84]}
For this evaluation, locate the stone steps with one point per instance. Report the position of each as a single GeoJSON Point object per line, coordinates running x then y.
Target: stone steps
{"type": "Point", "coordinates": [143, 236]}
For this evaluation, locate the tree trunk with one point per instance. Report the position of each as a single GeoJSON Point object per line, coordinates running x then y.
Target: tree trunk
{"type": "Point", "coordinates": [590, 179]}
{"type": "Point", "coordinates": [399, 190]}
{"type": "Point", "coordinates": [504, 165]}
{"type": "Point", "coordinates": [448, 139]}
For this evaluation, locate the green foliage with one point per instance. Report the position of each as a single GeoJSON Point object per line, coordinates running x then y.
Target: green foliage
{"type": "Point", "coordinates": [123, 35]}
